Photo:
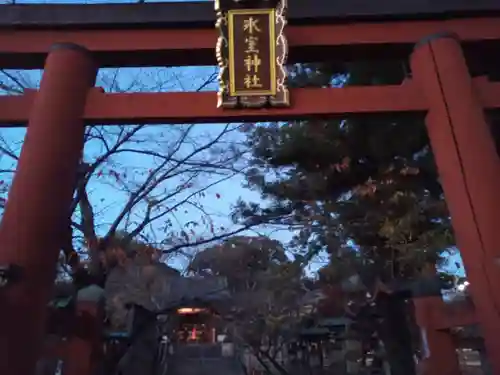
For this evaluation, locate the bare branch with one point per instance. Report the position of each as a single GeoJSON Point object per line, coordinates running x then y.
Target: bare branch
{"type": "Point", "coordinates": [18, 86]}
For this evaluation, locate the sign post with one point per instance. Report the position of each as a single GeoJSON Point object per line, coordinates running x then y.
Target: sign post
{"type": "Point", "coordinates": [251, 53]}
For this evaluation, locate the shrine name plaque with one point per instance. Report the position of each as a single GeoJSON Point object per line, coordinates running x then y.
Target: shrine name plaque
{"type": "Point", "coordinates": [251, 53]}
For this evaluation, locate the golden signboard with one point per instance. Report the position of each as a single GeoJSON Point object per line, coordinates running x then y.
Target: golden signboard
{"type": "Point", "coordinates": [252, 50]}
{"type": "Point", "coordinates": [251, 53]}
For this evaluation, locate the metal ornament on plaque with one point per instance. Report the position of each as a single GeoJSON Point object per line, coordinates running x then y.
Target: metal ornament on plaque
{"type": "Point", "coordinates": [251, 53]}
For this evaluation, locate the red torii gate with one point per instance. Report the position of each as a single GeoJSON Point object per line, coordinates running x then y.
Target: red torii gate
{"type": "Point", "coordinates": [437, 319]}
{"type": "Point", "coordinates": [90, 36]}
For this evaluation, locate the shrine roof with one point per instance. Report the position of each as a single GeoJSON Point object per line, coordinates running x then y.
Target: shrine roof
{"type": "Point", "coordinates": [189, 290]}
{"type": "Point", "coordinates": [198, 14]}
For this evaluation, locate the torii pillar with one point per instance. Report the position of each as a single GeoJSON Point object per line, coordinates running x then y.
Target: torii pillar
{"type": "Point", "coordinates": [469, 170]}
{"type": "Point", "coordinates": [37, 209]}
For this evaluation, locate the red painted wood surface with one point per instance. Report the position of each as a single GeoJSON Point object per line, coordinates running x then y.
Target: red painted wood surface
{"type": "Point", "coordinates": [434, 313]}
{"type": "Point", "coordinates": [27, 48]}
{"type": "Point", "coordinates": [464, 151]}
{"type": "Point", "coordinates": [39, 198]}
{"type": "Point", "coordinates": [177, 107]}
{"type": "Point", "coordinates": [469, 170]}
{"type": "Point", "coordinates": [171, 108]}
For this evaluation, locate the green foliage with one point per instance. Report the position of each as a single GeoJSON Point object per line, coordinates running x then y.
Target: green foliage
{"type": "Point", "coordinates": [368, 180]}
{"type": "Point", "coordinates": [365, 190]}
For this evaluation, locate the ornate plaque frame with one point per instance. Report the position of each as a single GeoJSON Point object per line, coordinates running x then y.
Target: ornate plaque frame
{"type": "Point", "coordinates": [281, 97]}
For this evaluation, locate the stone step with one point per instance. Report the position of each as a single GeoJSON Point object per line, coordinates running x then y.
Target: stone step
{"type": "Point", "coordinates": [198, 350]}
{"type": "Point", "coordinates": [204, 366]}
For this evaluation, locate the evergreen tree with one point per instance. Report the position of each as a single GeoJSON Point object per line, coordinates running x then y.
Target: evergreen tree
{"type": "Point", "coordinates": [367, 181]}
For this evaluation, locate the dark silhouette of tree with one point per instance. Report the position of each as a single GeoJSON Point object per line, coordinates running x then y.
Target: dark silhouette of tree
{"type": "Point", "coordinates": [138, 179]}
{"type": "Point", "coordinates": [363, 190]}
{"type": "Point", "coordinates": [266, 290]}
{"type": "Point", "coordinates": [136, 193]}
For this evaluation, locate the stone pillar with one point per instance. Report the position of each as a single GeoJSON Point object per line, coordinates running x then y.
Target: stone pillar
{"type": "Point", "coordinates": [469, 169]}
{"type": "Point", "coordinates": [38, 206]}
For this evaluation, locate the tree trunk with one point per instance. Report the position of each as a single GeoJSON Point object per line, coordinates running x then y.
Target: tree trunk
{"type": "Point", "coordinates": [395, 334]}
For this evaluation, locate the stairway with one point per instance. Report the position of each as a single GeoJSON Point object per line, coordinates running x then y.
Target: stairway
{"type": "Point", "coordinates": [203, 359]}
